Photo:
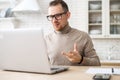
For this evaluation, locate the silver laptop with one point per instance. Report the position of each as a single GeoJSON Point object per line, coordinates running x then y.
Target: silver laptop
{"type": "Point", "coordinates": [25, 50]}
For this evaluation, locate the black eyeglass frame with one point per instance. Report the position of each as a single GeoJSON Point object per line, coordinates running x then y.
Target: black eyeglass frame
{"type": "Point", "coordinates": [56, 16]}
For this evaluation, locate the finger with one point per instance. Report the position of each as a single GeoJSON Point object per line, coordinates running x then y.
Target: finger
{"type": "Point", "coordinates": [69, 55]}
{"type": "Point", "coordinates": [72, 53]}
{"type": "Point", "coordinates": [75, 46]}
{"type": "Point", "coordinates": [63, 53]}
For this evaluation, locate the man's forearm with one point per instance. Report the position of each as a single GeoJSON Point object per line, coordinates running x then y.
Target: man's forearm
{"type": "Point", "coordinates": [90, 61]}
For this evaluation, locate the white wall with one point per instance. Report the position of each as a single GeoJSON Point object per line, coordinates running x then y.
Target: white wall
{"type": "Point", "coordinates": [78, 20]}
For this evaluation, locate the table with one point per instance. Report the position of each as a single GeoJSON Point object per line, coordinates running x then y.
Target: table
{"type": "Point", "coordinates": [110, 62]}
{"type": "Point", "coordinates": [74, 73]}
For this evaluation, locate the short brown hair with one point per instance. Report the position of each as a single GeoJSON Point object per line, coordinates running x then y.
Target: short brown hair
{"type": "Point", "coordinates": [63, 4]}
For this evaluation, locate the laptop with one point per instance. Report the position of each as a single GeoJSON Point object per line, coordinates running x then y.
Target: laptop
{"type": "Point", "coordinates": [25, 50]}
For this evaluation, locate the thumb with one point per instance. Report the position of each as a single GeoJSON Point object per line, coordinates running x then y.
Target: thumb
{"type": "Point", "coordinates": [75, 47]}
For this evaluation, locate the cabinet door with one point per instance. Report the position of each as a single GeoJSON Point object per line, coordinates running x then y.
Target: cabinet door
{"type": "Point", "coordinates": [114, 16]}
{"type": "Point", "coordinates": [104, 18]}
{"type": "Point", "coordinates": [95, 18]}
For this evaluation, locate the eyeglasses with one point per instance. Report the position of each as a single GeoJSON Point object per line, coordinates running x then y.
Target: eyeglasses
{"type": "Point", "coordinates": [56, 16]}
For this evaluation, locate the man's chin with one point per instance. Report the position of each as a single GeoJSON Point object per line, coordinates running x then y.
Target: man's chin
{"type": "Point", "coordinates": [57, 29]}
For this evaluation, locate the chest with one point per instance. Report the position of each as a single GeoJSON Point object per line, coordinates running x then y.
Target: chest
{"type": "Point", "coordinates": [65, 43]}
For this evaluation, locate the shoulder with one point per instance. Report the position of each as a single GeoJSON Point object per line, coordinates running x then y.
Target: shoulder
{"type": "Point", "coordinates": [80, 32]}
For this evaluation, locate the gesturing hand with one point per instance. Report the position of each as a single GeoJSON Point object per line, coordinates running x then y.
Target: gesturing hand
{"type": "Point", "coordinates": [74, 55]}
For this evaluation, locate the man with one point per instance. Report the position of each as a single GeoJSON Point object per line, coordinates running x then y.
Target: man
{"type": "Point", "coordinates": [66, 45]}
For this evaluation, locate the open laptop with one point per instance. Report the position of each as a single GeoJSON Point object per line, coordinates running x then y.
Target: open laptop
{"type": "Point", "coordinates": [25, 50]}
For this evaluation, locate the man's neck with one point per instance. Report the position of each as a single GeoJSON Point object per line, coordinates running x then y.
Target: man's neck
{"type": "Point", "coordinates": [65, 30]}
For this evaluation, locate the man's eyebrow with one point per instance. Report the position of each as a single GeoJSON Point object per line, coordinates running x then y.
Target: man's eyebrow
{"type": "Point", "coordinates": [55, 14]}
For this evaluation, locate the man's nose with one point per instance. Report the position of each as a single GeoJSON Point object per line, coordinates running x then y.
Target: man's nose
{"type": "Point", "coordinates": [54, 19]}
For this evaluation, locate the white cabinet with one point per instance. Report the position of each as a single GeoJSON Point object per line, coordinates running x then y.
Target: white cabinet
{"type": "Point", "coordinates": [104, 18]}
{"type": "Point", "coordinates": [95, 20]}
{"type": "Point", "coordinates": [114, 19]}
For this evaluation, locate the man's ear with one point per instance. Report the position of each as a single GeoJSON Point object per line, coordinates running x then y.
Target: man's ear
{"type": "Point", "coordinates": [68, 14]}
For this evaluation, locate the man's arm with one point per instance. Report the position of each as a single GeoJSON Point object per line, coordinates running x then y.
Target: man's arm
{"type": "Point", "coordinates": [91, 60]}
{"type": "Point", "coordinates": [87, 58]}
{"type": "Point", "coordinates": [90, 57]}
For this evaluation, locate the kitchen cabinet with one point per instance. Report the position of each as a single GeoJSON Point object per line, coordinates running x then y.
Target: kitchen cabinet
{"type": "Point", "coordinates": [104, 18]}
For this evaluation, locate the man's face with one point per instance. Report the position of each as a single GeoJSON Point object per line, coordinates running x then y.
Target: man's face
{"type": "Point", "coordinates": [58, 17]}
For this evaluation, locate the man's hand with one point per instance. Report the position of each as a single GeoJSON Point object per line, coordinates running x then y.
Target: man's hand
{"type": "Point", "coordinates": [74, 55]}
